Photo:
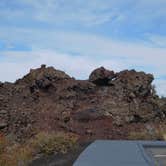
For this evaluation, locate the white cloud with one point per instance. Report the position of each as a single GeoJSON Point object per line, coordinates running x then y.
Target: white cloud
{"type": "Point", "coordinates": [140, 13]}
{"type": "Point", "coordinates": [14, 68]}
{"type": "Point", "coordinates": [160, 87]}
{"type": "Point", "coordinates": [91, 46]}
{"type": "Point", "coordinates": [157, 40]}
{"type": "Point", "coordinates": [77, 66]}
{"type": "Point", "coordinates": [58, 12]}
{"type": "Point", "coordinates": [96, 47]}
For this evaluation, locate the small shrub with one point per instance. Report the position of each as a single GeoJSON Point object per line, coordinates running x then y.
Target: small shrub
{"type": "Point", "coordinates": [15, 155]}
{"type": "Point", "coordinates": [159, 133]}
{"type": "Point", "coordinates": [139, 136]}
{"type": "Point", "coordinates": [48, 143]}
{"type": "Point", "coordinates": [3, 143]}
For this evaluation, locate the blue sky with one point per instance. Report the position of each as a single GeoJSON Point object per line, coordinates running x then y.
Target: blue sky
{"type": "Point", "coordinates": [77, 36]}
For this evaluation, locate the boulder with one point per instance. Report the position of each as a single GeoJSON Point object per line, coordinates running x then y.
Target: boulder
{"type": "Point", "coordinates": [133, 83]}
{"type": "Point", "coordinates": [118, 121]}
{"type": "Point", "coordinates": [42, 76]}
{"type": "Point", "coordinates": [133, 119]}
{"type": "Point", "coordinates": [3, 125]}
{"type": "Point", "coordinates": [2, 112]}
{"type": "Point", "coordinates": [1, 84]}
{"type": "Point", "coordinates": [87, 115]}
{"type": "Point", "coordinates": [101, 76]}
{"type": "Point", "coordinates": [43, 83]}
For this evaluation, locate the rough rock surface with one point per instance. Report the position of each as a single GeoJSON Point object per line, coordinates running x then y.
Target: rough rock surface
{"type": "Point", "coordinates": [102, 107]}
{"type": "Point", "coordinates": [101, 76]}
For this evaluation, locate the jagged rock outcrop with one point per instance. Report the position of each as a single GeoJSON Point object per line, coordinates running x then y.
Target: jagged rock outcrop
{"type": "Point", "coordinates": [101, 76]}
{"type": "Point", "coordinates": [49, 99]}
{"type": "Point", "coordinates": [42, 77]}
{"type": "Point", "coordinates": [134, 83]}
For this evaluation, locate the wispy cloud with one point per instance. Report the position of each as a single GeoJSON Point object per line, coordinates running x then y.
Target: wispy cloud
{"type": "Point", "coordinates": [18, 63]}
{"type": "Point", "coordinates": [157, 40]}
{"type": "Point", "coordinates": [58, 11]}
{"type": "Point", "coordinates": [131, 13]}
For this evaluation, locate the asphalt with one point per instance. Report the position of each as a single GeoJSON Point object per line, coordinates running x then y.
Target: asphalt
{"type": "Point", "coordinates": [158, 153]}
{"type": "Point", "coordinates": [123, 153]}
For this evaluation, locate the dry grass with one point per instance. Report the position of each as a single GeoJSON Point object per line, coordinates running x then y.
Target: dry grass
{"type": "Point", "coordinates": [158, 133]}
{"type": "Point", "coordinates": [16, 155]}
{"type": "Point", "coordinates": [12, 154]}
{"type": "Point", "coordinates": [144, 135]}
{"type": "Point", "coordinates": [46, 143]}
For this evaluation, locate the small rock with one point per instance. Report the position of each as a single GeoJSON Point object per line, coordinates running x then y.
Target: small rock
{"type": "Point", "coordinates": [133, 119]}
{"type": "Point", "coordinates": [150, 129]}
{"type": "Point", "coordinates": [66, 116]}
{"type": "Point", "coordinates": [3, 125]}
{"type": "Point", "coordinates": [118, 121]}
{"type": "Point", "coordinates": [43, 83]}
{"type": "Point", "coordinates": [3, 112]}
{"type": "Point", "coordinates": [43, 66]}
{"type": "Point", "coordinates": [1, 84]}
{"type": "Point", "coordinates": [87, 115]}
{"type": "Point", "coordinates": [129, 119]}
{"type": "Point", "coordinates": [89, 132]}
{"type": "Point", "coordinates": [1, 98]}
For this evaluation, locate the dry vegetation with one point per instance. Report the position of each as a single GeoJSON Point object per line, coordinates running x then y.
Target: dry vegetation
{"type": "Point", "coordinates": [158, 133]}
{"type": "Point", "coordinates": [13, 154]}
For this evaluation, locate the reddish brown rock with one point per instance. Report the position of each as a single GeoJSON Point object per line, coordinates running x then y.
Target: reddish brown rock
{"type": "Point", "coordinates": [88, 115]}
{"type": "Point", "coordinates": [134, 83]}
{"type": "Point", "coordinates": [49, 99]}
{"type": "Point", "coordinates": [101, 76]}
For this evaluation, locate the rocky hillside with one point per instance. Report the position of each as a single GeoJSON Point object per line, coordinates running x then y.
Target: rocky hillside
{"type": "Point", "coordinates": [108, 105]}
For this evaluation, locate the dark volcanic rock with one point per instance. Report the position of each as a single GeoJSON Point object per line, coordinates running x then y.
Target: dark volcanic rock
{"type": "Point", "coordinates": [42, 76]}
{"type": "Point", "coordinates": [2, 125]}
{"type": "Point", "coordinates": [88, 115]}
{"type": "Point", "coordinates": [49, 99]}
{"type": "Point", "coordinates": [134, 83]}
{"type": "Point", "coordinates": [101, 76]}
{"type": "Point", "coordinates": [1, 84]}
